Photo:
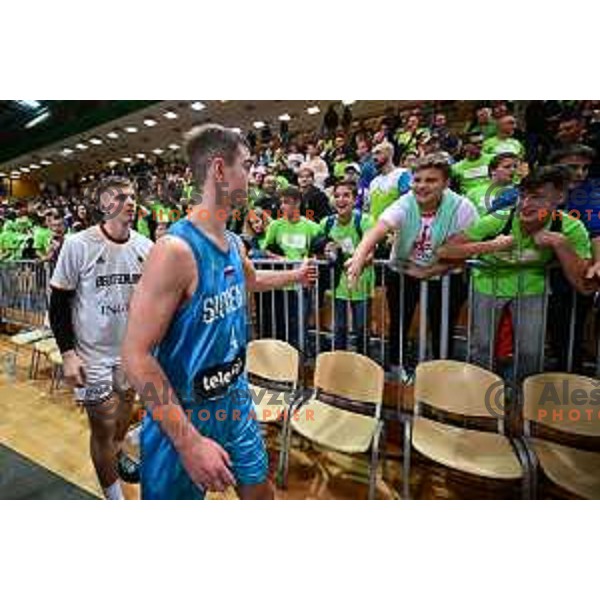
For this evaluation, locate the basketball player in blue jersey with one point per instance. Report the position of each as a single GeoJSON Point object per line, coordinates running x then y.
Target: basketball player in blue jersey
{"type": "Point", "coordinates": [184, 350]}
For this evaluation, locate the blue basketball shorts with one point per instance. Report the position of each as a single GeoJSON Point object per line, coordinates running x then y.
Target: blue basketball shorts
{"type": "Point", "coordinates": [230, 421]}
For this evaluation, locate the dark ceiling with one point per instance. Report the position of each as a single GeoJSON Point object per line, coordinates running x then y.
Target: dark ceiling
{"type": "Point", "coordinates": [67, 118]}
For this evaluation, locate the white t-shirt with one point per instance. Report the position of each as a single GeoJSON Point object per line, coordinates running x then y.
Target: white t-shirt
{"type": "Point", "coordinates": [103, 275]}
{"type": "Point", "coordinates": [422, 253]}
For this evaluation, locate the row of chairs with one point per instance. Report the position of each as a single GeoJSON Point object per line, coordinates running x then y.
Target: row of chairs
{"type": "Point", "coordinates": [458, 421]}
{"type": "Point", "coordinates": [459, 418]}
{"type": "Point", "coordinates": [43, 346]}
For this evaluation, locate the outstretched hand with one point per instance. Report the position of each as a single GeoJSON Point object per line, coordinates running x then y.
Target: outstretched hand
{"type": "Point", "coordinates": [308, 273]}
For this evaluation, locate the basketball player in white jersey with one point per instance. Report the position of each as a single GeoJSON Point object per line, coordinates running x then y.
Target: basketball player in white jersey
{"type": "Point", "coordinates": [92, 283]}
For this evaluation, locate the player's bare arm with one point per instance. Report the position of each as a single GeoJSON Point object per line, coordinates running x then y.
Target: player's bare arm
{"type": "Point", "coordinates": [168, 281]}
{"type": "Point", "coordinates": [264, 280]}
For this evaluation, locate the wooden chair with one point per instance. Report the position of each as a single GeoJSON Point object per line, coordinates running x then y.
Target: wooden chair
{"type": "Point", "coordinates": [462, 389]}
{"type": "Point", "coordinates": [344, 412]}
{"type": "Point", "coordinates": [273, 370]}
{"type": "Point", "coordinates": [564, 462]}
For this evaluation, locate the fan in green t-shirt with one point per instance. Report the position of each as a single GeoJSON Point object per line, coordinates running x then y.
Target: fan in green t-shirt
{"type": "Point", "coordinates": [515, 249]}
{"type": "Point", "coordinates": [342, 233]}
{"type": "Point", "coordinates": [10, 241]}
{"type": "Point", "coordinates": [504, 141]}
{"type": "Point", "coordinates": [291, 237]}
{"type": "Point", "coordinates": [499, 188]}
{"type": "Point", "coordinates": [472, 170]}
{"type": "Point", "coordinates": [520, 244]}
{"type": "Point", "coordinates": [42, 238]}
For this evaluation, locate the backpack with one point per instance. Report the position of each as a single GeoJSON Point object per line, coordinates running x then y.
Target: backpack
{"type": "Point", "coordinates": [356, 221]}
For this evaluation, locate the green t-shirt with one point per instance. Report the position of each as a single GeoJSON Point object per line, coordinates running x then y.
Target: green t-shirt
{"type": "Point", "coordinates": [481, 196]}
{"type": "Point", "coordinates": [188, 190]}
{"type": "Point", "coordinates": [11, 242]}
{"type": "Point", "coordinates": [488, 130]}
{"type": "Point", "coordinates": [282, 182]}
{"type": "Point", "coordinates": [294, 239]}
{"type": "Point", "coordinates": [407, 140]}
{"type": "Point", "coordinates": [339, 168]}
{"type": "Point", "coordinates": [470, 174]}
{"type": "Point", "coordinates": [495, 145]}
{"type": "Point", "coordinates": [42, 236]}
{"type": "Point", "coordinates": [23, 224]}
{"type": "Point", "coordinates": [347, 238]}
{"type": "Point", "coordinates": [504, 282]}
{"type": "Point", "coordinates": [383, 191]}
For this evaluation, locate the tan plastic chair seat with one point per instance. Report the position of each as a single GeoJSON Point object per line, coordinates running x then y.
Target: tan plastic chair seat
{"type": "Point", "coordinates": [479, 453]}
{"type": "Point", "coordinates": [55, 358]}
{"type": "Point", "coordinates": [22, 339]}
{"type": "Point", "coordinates": [46, 346]}
{"type": "Point", "coordinates": [577, 471]}
{"type": "Point", "coordinates": [268, 407]}
{"type": "Point", "coordinates": [334, 428]}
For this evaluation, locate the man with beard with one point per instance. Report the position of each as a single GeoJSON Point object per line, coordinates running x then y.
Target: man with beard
{"type": "Point", "coordinates": [390, 183]}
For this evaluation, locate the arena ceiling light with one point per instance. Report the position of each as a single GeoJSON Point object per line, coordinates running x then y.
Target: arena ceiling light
{"type": "Point", "coordinates": [113, 135]}
{"type": "Point", "coordinates": [348, 102]}
{"type": "Point", "coordinates": [131, 129]}
{"type": "Point", "coordinates": [197, 106]}
{"type": "Point", "coordinates": [34, 166]}
{"type": "Point", "coordinates": [45, 162]}
{"type": "Point", "coordinates": [81, 146]}
{"type": "Point", "coordinates": [141, 155]}
{"type": "Point", "coordinates": [236, 129]}
{"type": "Point", "coordinates": [170, 115]}
{"type": "Point", "coordinates": [158, 151]}
{"type": "Point", "coordinates": [112, 163]}
{"type": "Point", "coordinates": [32, 104]}
{"type": "Point", "coordinates": [96, 141]}
{"type": "Point", "coordinates": [37, 120]}
{"type": "Point", "coordinates": [2, 174]}
{"type": "Point", "coordinates": [67, 151]}
{"type": "Point", "coordinates": [150, 122]}
{"type": "Point", "coordinates": [174, 146]}
{"type": "Point", "coordinates": [126, 159]}
{"type": "Point", "coordinates": [15, 175]}
{"type": "Point", "coordinates": [285, 117]}
{"type": "Point", "coordinates": [25, 169]}
{"type": "Point", "coordinates": [313, 110]}
{"type": "Point", "coordinates": [15, 172]}
{"type": "Point", "coordinates": [258, 124]}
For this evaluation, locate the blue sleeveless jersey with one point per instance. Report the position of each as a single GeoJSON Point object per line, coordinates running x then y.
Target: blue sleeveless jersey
{"type": "Point", "coordinates": [203, 352]}
{"type": "Point", "coordinates": [203, 356]}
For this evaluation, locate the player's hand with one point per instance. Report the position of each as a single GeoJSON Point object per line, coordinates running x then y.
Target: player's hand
{"type": "Point", "coordinates": [73, 369]}
{"type": "Point", "coordinates": [308, 273]}
{"type": "Point", "coordinates": [207, 463]}
{"type": "Point", "coordinates": [594, 271]}
{"type": "Point", "coordinates": [548, 239]}
{"type": "Point", "coordinates": [354, 268]}
{"type": "Point", "coordinates": [502, 242]}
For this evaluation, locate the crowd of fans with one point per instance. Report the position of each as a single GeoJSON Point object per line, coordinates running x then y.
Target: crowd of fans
{"type": "Point", "coordinates": [518, 193]}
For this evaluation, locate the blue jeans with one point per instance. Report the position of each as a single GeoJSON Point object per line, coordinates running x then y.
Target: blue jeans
{"type": "Point", "coordinates": [360, 319]}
